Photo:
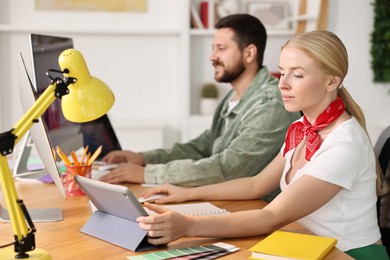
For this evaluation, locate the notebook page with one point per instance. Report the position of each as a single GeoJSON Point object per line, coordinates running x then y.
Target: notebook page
{"type": "Point", "coordinates": [193, 209]}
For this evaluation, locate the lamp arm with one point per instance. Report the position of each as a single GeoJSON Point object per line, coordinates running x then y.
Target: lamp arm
{"type": "Point", "coordinates": [24, 237]}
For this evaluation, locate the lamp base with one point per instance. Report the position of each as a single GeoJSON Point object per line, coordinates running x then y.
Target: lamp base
{"type": "Point", "coordinates": [9, 253]}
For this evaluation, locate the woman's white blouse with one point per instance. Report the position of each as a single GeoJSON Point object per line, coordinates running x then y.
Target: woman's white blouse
{"type": "Point", "coordinates": [345, 158]}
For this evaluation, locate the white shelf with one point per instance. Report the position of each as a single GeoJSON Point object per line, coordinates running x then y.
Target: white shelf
{"type": "Point", "coordinates": [89, 30]}
{"type": "Point", "coordinates": [202, 32]}
{"type": "Point", "coordinates": [123, 30]}
{"type": "Point", "coordinates": [271, 33]}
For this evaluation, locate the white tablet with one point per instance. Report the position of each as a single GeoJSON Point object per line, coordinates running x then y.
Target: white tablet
{"type": "Point", "coordinates": [113, 199]}
{"type": "Point", "coordinates": [115, 218]}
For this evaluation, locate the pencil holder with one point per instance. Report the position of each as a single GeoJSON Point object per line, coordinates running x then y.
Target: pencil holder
{"type": "Point", "coordinates": [71, 187]}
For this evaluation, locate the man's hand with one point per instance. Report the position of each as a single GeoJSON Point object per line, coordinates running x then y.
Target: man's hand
{"type": "Point", "coordinates": [124, 157]}
{"type": "Point", "coordinates": [127, 172]}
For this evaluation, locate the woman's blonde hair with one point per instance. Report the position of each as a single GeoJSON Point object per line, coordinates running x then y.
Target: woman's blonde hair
{"type": "Point", "coordinates": [329, 52]}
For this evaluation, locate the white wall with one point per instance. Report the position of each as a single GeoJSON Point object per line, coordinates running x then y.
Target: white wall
{"type": "Point", "coordinates": [353, 22]}
{"type": "Point", "coordinates": [139, 56]}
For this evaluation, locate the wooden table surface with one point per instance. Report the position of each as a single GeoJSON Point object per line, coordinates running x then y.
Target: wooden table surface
{"type": "Point", "coordinates": [63, 240]}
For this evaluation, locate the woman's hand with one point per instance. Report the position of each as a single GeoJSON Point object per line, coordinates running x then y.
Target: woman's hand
{"type": "Point", "coordinates": [172, 193]}
{"type": "Point", "coordinates": [164, 227]}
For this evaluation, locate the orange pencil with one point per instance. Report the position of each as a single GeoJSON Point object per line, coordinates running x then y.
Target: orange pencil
{"type": "Point", "coordinates": [84, 154]}
{"type": "Point", "coordinates": [75, 160]}
{"type": "Point", "coordinates": [95, 155]}
{"type": "Point", "coordinates": [63, 156]}
{"type": "Point", "coordinates": [54, 154]}
{"type": "Point", "coordinates": [88, 156]}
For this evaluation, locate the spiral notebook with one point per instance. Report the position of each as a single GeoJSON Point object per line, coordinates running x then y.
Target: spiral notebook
{"type": "Point", "coordinates": [190, 209]}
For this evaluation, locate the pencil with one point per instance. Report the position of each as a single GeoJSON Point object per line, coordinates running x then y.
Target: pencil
{"type": "Point", "coordinates": [94, 156]}
{"type": "Point", "coordinates": [88, 156]}
{"type": "Point", "coordinates": [63, 156]}
{"type": "Point", "coordinates": [75, 160]}
{"type": "Point", "coordinates": [54, 154]}
{"type": "Point", "coordinates": [84, 154]}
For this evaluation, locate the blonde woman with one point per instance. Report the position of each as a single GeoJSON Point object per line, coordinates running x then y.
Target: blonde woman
{"type": "Point", "coordinates": [326, 167]}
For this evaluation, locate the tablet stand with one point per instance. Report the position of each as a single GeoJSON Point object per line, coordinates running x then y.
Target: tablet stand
{"type": "Point", "coordinates": [119, 231]}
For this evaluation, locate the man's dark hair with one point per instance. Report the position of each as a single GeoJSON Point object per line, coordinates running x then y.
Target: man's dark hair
{"type": "Point", "coordinates": [247, 30]}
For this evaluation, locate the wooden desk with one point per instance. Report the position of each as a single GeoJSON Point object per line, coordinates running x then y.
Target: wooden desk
{"type": "Point", "coordinates": [63, 240]}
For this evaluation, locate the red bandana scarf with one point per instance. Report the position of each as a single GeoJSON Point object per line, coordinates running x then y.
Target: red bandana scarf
{"type": "Point", "coordinates": [298, 130]}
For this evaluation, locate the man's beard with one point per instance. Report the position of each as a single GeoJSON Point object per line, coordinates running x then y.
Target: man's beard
{"type": "Point", "coordinates": [233, 74]}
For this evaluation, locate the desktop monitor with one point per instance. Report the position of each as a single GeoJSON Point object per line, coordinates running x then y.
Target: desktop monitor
{"type": "Point", "coordinates": [28, 96]}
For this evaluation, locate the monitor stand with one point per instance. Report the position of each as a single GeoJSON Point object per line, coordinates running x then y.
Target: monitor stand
{"type": "Point", "coordinates": [36, 215]}
{"type": "Point", "coordinates": [20, 170]}
{"type": "Point", "coordinates": [20, 164]}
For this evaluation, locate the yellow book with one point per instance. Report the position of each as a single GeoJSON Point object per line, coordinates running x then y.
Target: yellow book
{"type": "Point", "coordinates": [289, 245]}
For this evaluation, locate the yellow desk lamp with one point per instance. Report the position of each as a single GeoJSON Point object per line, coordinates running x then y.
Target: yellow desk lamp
{"type": "Point", "coordinates": [83, 98]}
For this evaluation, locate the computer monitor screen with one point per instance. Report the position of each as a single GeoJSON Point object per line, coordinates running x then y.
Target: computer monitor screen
{"type": "Point", "coordinates": [37, 131]}
{"type": "Point", "coordinates": [45, 53]}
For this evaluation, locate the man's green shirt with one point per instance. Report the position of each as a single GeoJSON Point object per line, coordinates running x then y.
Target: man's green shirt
{"type": "Point", "coordinates": [239, 143]}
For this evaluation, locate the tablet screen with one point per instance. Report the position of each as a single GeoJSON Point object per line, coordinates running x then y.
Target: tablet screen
{"type": "Point", "coordinates": [113, 199]}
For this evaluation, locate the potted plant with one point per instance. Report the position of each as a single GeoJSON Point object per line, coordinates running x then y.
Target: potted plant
{"type": "Point", "coordinates": [209, 98]}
